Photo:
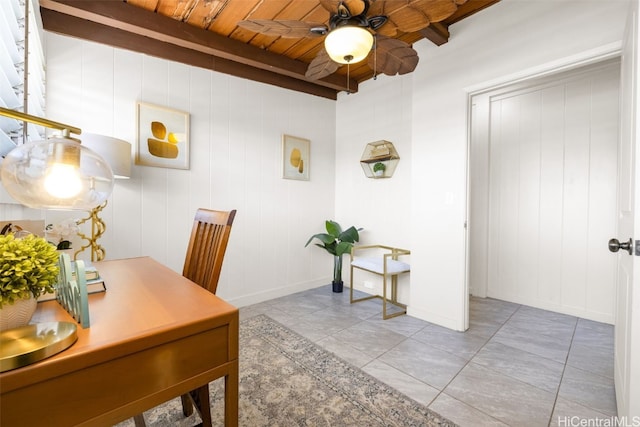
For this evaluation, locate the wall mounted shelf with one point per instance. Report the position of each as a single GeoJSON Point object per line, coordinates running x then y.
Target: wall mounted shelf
{"type": "Point", "coordinates": [379, 159]}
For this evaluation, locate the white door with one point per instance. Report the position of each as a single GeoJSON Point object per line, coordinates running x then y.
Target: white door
{"type": "Point", "coordinates": [544, 177]}
{"type": "Point", "coordinates": [627, 323]}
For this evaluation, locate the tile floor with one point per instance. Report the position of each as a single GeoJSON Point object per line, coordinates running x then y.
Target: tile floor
{"type": "Point", "coordinates": [515, 366]}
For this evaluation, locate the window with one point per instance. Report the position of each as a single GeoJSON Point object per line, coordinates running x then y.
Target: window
{"type": "Point", "coordinates": [22, 72]}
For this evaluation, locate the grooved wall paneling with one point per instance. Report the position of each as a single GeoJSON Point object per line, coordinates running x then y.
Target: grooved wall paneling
{"type": "Point", "coordinates": [235, 163]}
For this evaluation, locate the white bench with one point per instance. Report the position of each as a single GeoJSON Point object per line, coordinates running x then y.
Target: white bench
{"type": "Point", "coordinates": [385, 264]}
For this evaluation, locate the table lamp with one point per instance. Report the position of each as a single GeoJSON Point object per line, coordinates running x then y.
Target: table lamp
{"type": "Point", "coordinates": [57, 173]}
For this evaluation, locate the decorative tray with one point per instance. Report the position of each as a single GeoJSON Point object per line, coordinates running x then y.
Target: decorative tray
{"type": "Point", "coordinates": [32, 343]}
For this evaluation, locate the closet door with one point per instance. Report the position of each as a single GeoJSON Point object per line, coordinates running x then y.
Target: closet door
{"type": "Point", "coordinates": [552, 188]}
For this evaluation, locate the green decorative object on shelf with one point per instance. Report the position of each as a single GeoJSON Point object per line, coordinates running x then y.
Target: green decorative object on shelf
{"type": "Point", "coordinates": [379, 168]}
{"type": "Point", "coordinates": [379, 159]}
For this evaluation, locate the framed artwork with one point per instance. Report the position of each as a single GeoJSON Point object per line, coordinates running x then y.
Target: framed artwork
{"type": "Point", "coordinates": [163, 137]}
{"type": "Point", "coordinates": [296, 158]}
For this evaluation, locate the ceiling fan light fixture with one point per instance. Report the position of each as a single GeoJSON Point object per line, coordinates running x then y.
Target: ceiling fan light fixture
{"type": "Point", "coordinates": [348, 44]}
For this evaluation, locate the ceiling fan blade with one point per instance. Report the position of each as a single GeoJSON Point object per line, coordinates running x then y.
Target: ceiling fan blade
{"type": "Point", "coordinates": [283, 28]}
{"type": "Point", "coordinates": [321, 66]}
{"type": "Point", "coordinates": [436, 10]}
{"type": "Point", "coordinates": [378, 8]}
{"type": "Point", "coordinates": [413, 15]}
{"type": "Point", "coordinates": [393, 57]}
{"type": "Point", "coordinates": [388, 29]}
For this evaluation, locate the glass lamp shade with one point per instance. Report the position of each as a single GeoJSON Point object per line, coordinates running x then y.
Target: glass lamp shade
{"type": "Point", "coordinates": [57, 173]}
{"type": "Point", "coordinates": [348, 44]}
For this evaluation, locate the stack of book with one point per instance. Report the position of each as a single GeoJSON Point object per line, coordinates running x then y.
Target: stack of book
{"type": "Point", "coordinates": [95, 283]}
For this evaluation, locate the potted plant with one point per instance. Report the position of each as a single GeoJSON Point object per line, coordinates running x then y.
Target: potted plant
{"type": "Point", "coordinates": [28, 268]}
{"type": "Point", "coordinates": [379, 168]}
{"type": "Point", "coordinates": [337, 243]}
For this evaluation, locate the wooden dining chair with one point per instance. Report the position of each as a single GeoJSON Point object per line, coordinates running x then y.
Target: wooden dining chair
{"type": "Point", "coordinates": [207, 246]}
{"type": "Point", "coordinates": [202, 265]}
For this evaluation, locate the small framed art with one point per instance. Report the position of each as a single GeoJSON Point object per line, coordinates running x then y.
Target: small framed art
{"type": "Point", "coordinates": [296, 159]}
{"type": "Point", "coordinates": [163, 137]}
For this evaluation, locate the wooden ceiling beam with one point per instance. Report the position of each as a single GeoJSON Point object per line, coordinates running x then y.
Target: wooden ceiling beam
{"type": "Point", "coordinates": [138, 29]}
{"type": "Point", "coordinates": [437, 32]}
{"type": "Point", "coordinates": [86, 30]}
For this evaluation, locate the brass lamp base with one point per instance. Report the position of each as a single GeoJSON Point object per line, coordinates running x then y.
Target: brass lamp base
{"type": "Point", "coordinates": [98, 227]}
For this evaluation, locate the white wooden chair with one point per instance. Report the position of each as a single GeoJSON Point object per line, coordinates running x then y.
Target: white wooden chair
{"type": "Point", "coordinates": [385, 263]}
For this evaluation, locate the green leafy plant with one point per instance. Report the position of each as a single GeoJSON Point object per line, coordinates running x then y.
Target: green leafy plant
{"type": "Point", "coordinates": [28, 267]}
{"type": "Point", "coordinates": [337, 243]}
{"type": "Point", "coordinates": [379, 167]}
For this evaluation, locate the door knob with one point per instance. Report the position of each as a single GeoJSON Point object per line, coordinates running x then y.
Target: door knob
{"type": "Point", "coordinates": [615, 246]}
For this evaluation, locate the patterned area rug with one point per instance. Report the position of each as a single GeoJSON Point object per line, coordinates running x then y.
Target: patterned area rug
{"type": "Point", "coordinates": [287, 380]}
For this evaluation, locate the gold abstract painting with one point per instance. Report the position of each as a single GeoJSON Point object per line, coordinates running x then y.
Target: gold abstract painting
{"type": "Point", "coordinates": [163, 137]}
{"type": "Point", "coordinates": [295, 158]}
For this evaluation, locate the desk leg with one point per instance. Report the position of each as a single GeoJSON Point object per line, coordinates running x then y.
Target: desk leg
{"type": "Point", "coordinates": [231, 397]}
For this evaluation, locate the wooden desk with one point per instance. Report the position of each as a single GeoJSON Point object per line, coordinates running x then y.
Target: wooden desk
{"type": "Point", "coordinates": [154, 335]}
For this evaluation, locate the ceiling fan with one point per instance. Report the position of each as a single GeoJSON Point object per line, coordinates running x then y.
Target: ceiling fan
{"type": "Point", "coordinates": [350, 37]}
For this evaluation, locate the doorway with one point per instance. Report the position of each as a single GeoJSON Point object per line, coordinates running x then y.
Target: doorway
{"type": "Point", "coordinates": [542, 201]}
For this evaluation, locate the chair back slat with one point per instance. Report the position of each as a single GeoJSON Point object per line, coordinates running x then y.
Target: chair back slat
{"type": "Point", "coordinates": [207, 246]}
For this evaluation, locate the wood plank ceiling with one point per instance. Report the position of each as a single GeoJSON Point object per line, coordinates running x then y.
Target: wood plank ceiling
{"type": "Point", "coordinates": [205, 33]}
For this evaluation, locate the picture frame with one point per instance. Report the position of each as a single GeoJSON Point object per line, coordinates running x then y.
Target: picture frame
{"type": "Point", "coordinates": [162, 137]}
{"type": "Point", "coordinates": [296, 158]}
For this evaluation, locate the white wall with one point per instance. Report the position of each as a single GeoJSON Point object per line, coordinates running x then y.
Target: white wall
{"type": "Point", "coordinates": [236, 131]}
{"type": "Point", "coordinates": [380, 110]}
{"type": "Point", "coordinates": [510, 37]}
